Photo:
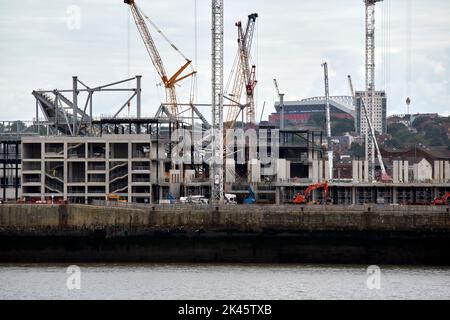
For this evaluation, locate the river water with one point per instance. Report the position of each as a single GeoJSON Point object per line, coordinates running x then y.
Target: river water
{"type": "Point", "coordinates": [235, 282]}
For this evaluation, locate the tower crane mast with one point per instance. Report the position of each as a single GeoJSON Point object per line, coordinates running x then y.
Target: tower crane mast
{"type": "Point", "coordinates": [370, 82]}
{"type": "Point", "coordinates": [328, 121]}
{"type": "Point", "coordinates": [169, 83]}
{"type": "Point", "coordinates": [217, 159]}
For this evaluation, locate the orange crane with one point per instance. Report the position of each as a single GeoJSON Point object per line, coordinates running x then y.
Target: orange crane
{"type": "Point", "coordinates": [442, 201]}
{"type": "Point", "coordinates": [169, 83]}
{"type": "Point", "coordinates": [303, 198]}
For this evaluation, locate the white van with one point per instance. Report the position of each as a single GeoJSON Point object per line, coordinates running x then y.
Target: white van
{"type": "Point", "coordinates": [230, 198]}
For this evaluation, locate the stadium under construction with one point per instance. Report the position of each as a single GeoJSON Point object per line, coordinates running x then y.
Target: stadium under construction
{"type": "Point", "coordinates": [68, 153]}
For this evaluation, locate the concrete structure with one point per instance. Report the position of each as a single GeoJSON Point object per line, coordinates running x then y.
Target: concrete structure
{"type": "Point", "coordinates": [360, 171]}
{"type": "Point", "coordinates": [423, 171]}
{"type": "Point", "coordinates": [10, 167]}
{"type": "Point", "coordinates": [400, 171]}
{"type": "Point", "coordinates": [379, 122]}
{"type": "Point", "coordinates": [82, 169]}
{"type": "Point", "coordinates": [441, 172]}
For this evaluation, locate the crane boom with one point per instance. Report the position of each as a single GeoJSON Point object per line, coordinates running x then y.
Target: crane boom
{"type": "Point", "coordinates": [243, 72]}
{"type": "Point", "coordinates": [350, 83]}
{"type": "Point", "coordinates": [373, 138]}
{"type": "Point", "coordinates": [281, 97]}
{"type": "Point", "coordinates": [169, 83]}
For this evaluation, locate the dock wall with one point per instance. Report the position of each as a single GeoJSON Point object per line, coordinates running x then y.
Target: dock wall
{"type": "Point", "coordinates": [310, 234]}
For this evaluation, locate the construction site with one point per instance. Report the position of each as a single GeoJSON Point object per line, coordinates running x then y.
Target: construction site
{"type": "Point", "coordinates": [210, 153]}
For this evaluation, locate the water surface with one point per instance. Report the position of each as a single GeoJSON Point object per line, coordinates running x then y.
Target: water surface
{"type": "Point", "coordinates": [191, 281]}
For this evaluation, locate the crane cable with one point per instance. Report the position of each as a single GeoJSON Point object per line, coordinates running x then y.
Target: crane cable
{"type": "Point", "coordinates": [128, 53]}
{"type": "Point", "coordinates": [408, 50]}
{"type": "Point", "coordinates": [193, 83]}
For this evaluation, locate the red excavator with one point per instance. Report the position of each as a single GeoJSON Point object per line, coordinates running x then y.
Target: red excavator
{"type": "Point", "coordinates": [303, 198]}
{"type": "Point", "coordinates": [442, 201]}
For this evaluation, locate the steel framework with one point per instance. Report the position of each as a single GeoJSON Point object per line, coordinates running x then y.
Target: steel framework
{"type": "Point", "coordinates": [244, 73]}
{"type": "Point", "coordinates": [64, 116]}
{"type": "Point", "coordinates": [217, 159]}
{"type": "Point", "coordinates": [328, 121]}
{"type": "Point", "coordinates": [370, 82]}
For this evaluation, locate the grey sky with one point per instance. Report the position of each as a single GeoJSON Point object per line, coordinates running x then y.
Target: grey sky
{"type": "Point", "coordinates": [293, 38]}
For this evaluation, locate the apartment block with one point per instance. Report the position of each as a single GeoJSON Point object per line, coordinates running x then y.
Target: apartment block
{"type": "Point", "coordinates": [379, 112]}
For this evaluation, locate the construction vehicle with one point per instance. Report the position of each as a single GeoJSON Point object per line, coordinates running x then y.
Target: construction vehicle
{"type": "Point", "coordinates": [170, 198]}
{"type": "Point", "coordinates": [303, 198]}
{"type": "Point", "coordinates": [116, 198]}
{"type": "Point", "coordinates": [251, 199]}
{"type": "Point", "coordinates": [194, 200]}
{"type": "Point", "coordinates": [443, 201]}
{"type": "Point", "coordinates": [230, 198]}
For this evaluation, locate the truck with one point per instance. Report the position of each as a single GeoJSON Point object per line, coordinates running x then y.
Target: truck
{"type": "Point", "coordinates": [194, 200]}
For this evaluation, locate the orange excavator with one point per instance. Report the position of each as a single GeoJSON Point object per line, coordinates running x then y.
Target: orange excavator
{"type": "Point", "coordinates": [442, 201]}
{"type": "Point", "coordinates": [303, 198]}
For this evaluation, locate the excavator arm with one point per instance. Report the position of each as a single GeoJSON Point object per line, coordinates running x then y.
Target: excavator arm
{"type": "Point", "coordinates": [442, 201]}
{"type": "Point", "coordinates": [303, 198]}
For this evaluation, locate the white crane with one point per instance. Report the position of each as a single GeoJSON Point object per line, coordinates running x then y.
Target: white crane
{"type": "Point", "coordinates": [370, 82]}
{"type": "Point", "coordinates": [350, 83]}
{"type": "Point", "coordinates": [243, 74]}
{"type": "Point", "coordinates": [328, 121]}
{"type": "Point", "coordinates": [384, 176]}
{"type": "Point", "coordinates": [217, 159]}
{"type": "Point", "coordinates": [281, 97]}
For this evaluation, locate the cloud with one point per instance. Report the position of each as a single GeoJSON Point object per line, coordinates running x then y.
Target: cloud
{"type": "Point", "coordinates": [292, 39]}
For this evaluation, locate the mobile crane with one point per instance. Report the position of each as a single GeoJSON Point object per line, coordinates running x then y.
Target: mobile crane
{"type": "Point", "coordinates": [169, 83]}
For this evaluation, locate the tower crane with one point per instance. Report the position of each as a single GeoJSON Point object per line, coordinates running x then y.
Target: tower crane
{"type": "Point", "coordinates": [169, 83]}
{"type": "Point", "coordinates": [384, 176]}
{"type": "Point", "coordinates": [217, 159]}
{"type": "Point", "coordinates": [245, 74]}
{"type": "Point", "coordinates": [328, 120]}
{"type": "Point", "coordinates": [370, 82]}
{"type": "Point", "coordinates": [281, 97]}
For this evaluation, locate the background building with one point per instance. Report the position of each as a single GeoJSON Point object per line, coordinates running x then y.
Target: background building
{"type": "Point", "coordinates": [300, 112]}
{"type": "Point", "coordinates": [379, 113]}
